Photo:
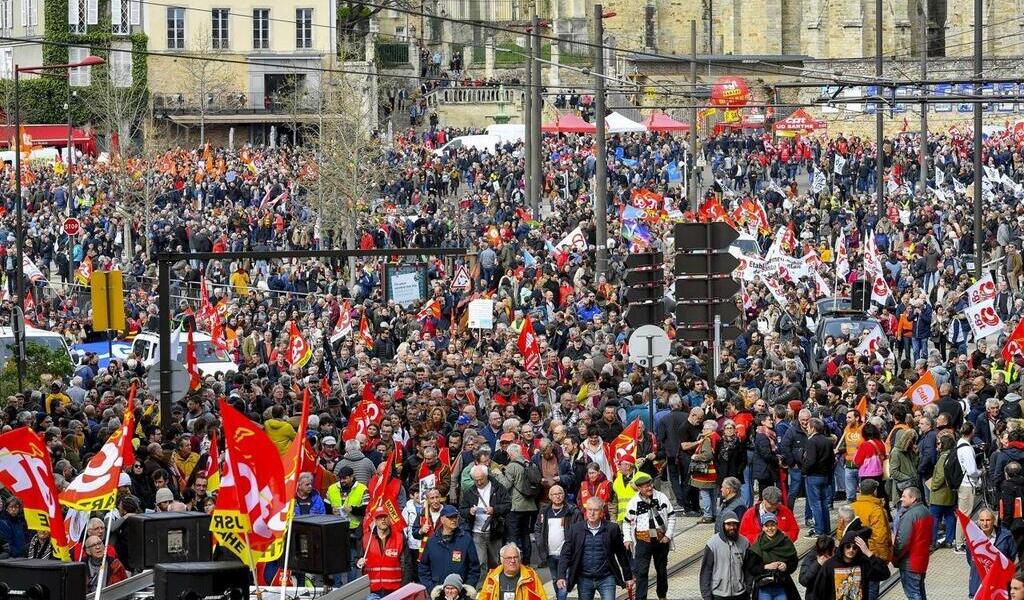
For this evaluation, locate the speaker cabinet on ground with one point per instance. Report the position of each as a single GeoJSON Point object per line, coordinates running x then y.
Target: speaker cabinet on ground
{"type": "Point", "coordinates": [44, 579]}
{"type": "Point", "coordinates": [145, 540]}
{"type": "Point", "coordinates": [196, 580]}
{"type": "Point", "coordinates": [320, 544]}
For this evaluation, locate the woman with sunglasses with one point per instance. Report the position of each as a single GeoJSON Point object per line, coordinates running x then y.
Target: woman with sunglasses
{"type": "Point", "coordinates": [846, 575]}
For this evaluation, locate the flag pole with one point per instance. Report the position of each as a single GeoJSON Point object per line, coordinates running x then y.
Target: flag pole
{"type": "Point", "coordinates": [285, 576]}
{"type": "Point", "coordinates": [103, 561]}
{"type": "Point", "coordinates": [252, 565]}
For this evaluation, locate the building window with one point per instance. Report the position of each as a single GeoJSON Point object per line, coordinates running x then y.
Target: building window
{"type": "Point", "coordinates": [6, 63]}
{"type": "Point", "coordinates": [123, 15]}
{"type": "Point", "coordinates": [260, 28]}
{"type": "Point", "coordinates": [6, 15]}
{"type": "Point", "coordinates": [175, 28]}
{"type": "Point", "coordinates": [121, 64]}
{"type": "Point", "coordinates": [79, 76]}
{"type": "Point", "coordinates": [29, 15]}
{"type": "Point", "coordinates": [303, 28]}
{"type": "Point", "coordinates": [220, 38]}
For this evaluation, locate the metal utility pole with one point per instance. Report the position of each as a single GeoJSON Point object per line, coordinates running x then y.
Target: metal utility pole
{"type": "Point", "coordinates": [691, 136]}
{"type": "Point", "coordinates": [879, 129]}
{"type": "Point", "coordinates": [924, 105]}
{"type": "Point", "coordinates": [537, 105]}
{"type": "Point", "coordinates": [601, 186]}
{"type": "Point", "coordinates": [531, 201]}
{"type": "Point", "coordinates": [979, 257]}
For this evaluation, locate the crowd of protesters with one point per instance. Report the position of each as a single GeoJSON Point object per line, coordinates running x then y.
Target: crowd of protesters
{"type": "Point", "coordinates": [506, 477]}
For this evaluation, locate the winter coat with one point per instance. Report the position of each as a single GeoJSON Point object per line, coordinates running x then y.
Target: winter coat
{"type": "Point", "coordinates": [569, 515]}
{"type": "Point", "coordinates": [872, 514]}
{"type": "Point", "coordinates": [750, 523]}
{"type": "Point", "coordinates": [1004, 542]}
{"type": "Point", "coordinates": [570, 563]}
{"type": "Point", "coordinates": [280, 432]}
{"type": "Point", "coordinates": [942, 494]}
{"type": "Point", "coordinates": [501, 501]}
{"type": "Point", "coordinates": [903, 464]}
{"type": "Point", "coordinates": [767, 550]}
{"type": "Point", "coordinates": [912, 545]}
{"type": "Point", "coordinates": [764, 463]}
{"type": "Point", "coordinates": [445, 555]}
{"type": "Point", "coordinates": [362, 467]}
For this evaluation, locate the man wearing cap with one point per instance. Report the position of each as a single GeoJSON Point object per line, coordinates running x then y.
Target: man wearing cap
{"type": "Point", "coordinates": [622, 491]}
{"type": "Point", "coordinates": [721, 569]}
{"type": "Point", "coordinates": [349, 497]}
{"type": "Point", "coordinates": [449, 550]}
{"type": "Point", "coordinates": [647, 532]}
{"type": "Point", "coordinates": [385, 560]}
{"type": "Point", "coordinates": [164, 497]}
{"type": "Point", "coordinates": [512, 580]}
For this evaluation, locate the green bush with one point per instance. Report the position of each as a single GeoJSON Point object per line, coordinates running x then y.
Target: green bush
{"type": "Point", "coordinates": [40, 360]}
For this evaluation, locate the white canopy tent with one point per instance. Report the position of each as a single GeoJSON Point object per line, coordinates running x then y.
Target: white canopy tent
{"type": "Point", "coordinates": [616, 123]}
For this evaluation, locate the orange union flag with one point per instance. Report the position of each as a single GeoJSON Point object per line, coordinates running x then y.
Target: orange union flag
{"type": "Point", "coordinates": [924, 391]}
{"type": "Point", "coordinates": [625, 443]}
{"type": "Point", "coordinates": [96, 487]}
{"type": "Point", "coordinates": [25, 470]}
{"type": "Point", "coordinates": [247, 518]}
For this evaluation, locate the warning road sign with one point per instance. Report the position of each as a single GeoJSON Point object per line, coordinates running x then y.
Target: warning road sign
{"type": "Point", "coordinates": [461, 281]}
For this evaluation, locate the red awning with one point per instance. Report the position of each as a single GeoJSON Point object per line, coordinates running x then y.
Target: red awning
{"type": "Point", "coordinates": [568, 124]}
{"type": "Point", "coordinates": [661, 122]}
{"type": "Point", "coordinates": [45, 135]}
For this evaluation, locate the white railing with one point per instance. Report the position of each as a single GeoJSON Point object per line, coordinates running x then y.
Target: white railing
{"type": "Point", "coordinates": [476, 95]}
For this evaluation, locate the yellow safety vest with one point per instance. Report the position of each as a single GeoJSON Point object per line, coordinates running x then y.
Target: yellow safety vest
{"type": "Point", "coordinates": [354, 499]}
{"type": "Point", "coordinates": [623, 493]}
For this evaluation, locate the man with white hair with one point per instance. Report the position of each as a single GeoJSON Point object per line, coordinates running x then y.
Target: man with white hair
{"type": "Point", "coordinates": [485, 507]}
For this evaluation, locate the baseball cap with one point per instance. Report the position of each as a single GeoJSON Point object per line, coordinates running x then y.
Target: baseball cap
{"type": "Point", "coordinates": [123, 480]}
{"type": "Point", "coordinates": [380, 512]}
{"type": "Point", "coordinates": [769, 518]}
{"type": "Point", "coordinates": [505, 381]}
{"type": "Point", "coordinates": [730, 517]}
{"type": "Point", "coordinates": [463, 420]}
{"type": "Point", "coordinates": [641, 479]}
{"type": "Point", "coordinates": [627, 458]}
{"type": "Point", "coordinates": [449, 511]}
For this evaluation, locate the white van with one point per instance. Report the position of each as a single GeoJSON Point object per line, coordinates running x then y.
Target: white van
{"type": "Point", "coordinates": [211, 360]}
{"type": "Point", "coordinates": [42, 337]}
{"type": "Point", "coordinates": [489, 143]}
{"type": "Point", "coordinates": [508, 132]}
{"type": "Point", "coordinates": [45, 154]}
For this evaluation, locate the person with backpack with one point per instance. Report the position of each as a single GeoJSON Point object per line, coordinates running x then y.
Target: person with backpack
{"type": "Point", "coordinates": [970, 478]}
{"type": "Point", "coordinates": [943, 495]}
{"type": "Point", "coordinates": [524, 480]}
{"type": "Point", "coordinates": [1011, 503]}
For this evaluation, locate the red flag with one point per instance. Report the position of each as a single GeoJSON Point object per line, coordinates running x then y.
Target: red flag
{"type": "Point", "coordinates": [712, 210]}
{"type": "Point", "coordinates": [192, 363]}
{"type": "Point", "coordinates": [344, 325]}
{"type": "Point", "coordinates": [25, 471]}
{"type": "Point", "coordinates": [384, 490]}
{"type": "Point", "coordinates": [625, 443]}
{"type": "Point", "coordinates": [325, 385]}
{"type": "Point", "coordinates": [204, 318]}
{"type": "Point", "coordinates": [994, 568]}
{"type": "Point", "coordinates": [364, 331]}
{"type": "Point", "coordinates": [213, 466]}
{"type": "Point", "coordinates": [430, 309]}
{"type": "Point", "coordinates": [217, 336]}
{"type": "Point", "coordinates": [862, 407]}
{"type": "Point", "coordinates": [299, 350]}
{"type": "Point", "coordinates": [1015, 345]}
{"type": "Point", "coordinates": [247, 518]}
{"type": "Point", "coordinates": [529, 348]}
{"type": "Point", "coordinates": [95, 488]}
{"type": "Point", "coordinates": [357, 423]}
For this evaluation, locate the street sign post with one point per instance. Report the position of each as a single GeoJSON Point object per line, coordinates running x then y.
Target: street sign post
{"type": "Point", "coordinates": [72, 226]}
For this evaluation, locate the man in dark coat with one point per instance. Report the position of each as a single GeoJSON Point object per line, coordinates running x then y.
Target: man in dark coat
{"type": "Point", "coordinates": [594, 555]}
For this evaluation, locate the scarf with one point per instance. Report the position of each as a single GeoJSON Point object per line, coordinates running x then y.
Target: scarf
{"type": "Point", "coordinates": [771, 549]}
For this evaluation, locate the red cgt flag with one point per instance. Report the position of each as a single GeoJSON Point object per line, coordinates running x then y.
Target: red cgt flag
{"type": "Point", "coordinates": [712, 210]}
{"type": "Point", "coordinates": [95, 488]}
{"type": "Point", "coordinates": [994, 568]}
{"type": "Point", "coordinates": [299, 350]}
{"type": "Point", "coordinates": [192, 363]}
{"type": "Point", "coordinates": [1015, 344]}
{"type": "Point", "coordinates": [529, 348]}
{"type": "Point", "coordinates": [25, 470]}
{"type": "Point", "coordinates": [247, 518]}
{"type": "Point", "coordinates": [364, 331]}
{"type": "Point", "coordinates": [384, 491]}
{"type": "Point", "coordinates": [625, 443]}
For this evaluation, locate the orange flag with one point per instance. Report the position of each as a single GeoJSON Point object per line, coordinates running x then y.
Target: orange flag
{"type": "Point", "coordinates": [364, 331]}
{"type": "Point", "coordinates": [862, 407]}
{"type": "Point", "coordinates": [924, 391]}
{"type": "Point", "coordinates": [624, 444]}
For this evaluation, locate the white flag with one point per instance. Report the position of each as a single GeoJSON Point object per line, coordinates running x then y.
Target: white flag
{"type": "Point", "coordinates": [982, 290]}
{"type": "Point", "coordinates": [750, 268]}
{"type": "Point", "coordinates": [575, 239]}
{"type": "Point", "coordinates": [842, 256]}
{"type": "Point", "coordinates": [819, 182]}
{"type": "Point", "coordinates": [983, 319]}
{"type": "Point", "coordinates": [838, 163]}
{"type": "Point", "coordinates": [880, 291]}
{"type": "Point", "coordinates": [940, 177]}
{"type": "Point", "coordinates": [869, 345]}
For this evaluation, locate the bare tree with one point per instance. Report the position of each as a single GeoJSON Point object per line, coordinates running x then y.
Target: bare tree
{"type": "Point", "coordinates": [117, 102]}
{"type": "Point", "coordinates": [211, 80]}
{"type": "Point", "coordinates": [350, 156]}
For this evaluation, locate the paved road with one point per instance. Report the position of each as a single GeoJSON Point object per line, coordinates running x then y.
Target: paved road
{"type": "Point", "coordinates": [946, 579]}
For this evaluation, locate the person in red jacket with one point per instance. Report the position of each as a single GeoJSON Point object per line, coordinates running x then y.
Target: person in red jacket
{"type": "Point", "coordinates": [771, 502]}
{"type": "Point", "coordinates": [912, 546]}
{"type": "Point", "coordinates": [384, 561]}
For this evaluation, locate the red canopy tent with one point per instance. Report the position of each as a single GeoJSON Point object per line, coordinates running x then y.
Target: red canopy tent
{"type": "Point", "coordinates": [568, 124]}
{"type": "Point", "coordinates": [800, 122]}
{"type": "Point", "coordinates": [661, 122]}
{"type": "Point", "coordinates": [50, 135]}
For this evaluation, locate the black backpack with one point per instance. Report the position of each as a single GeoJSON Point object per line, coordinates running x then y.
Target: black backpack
{"type": "Point", "coordinates": [531, 485]}
{"type": "Point", "coordinates": [952, 470]}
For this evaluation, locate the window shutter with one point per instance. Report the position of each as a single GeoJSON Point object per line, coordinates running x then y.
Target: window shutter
{"type": "Point", "coordinates": [115, 13]}
{"type": "Point", "coordinates": [33, 12]}
{"type": "Point", "coordinates": [24, 13]}
{"type": "Point", "coordinates": [10, 15]}
{"type": "Point", "coordinates": [73, 16]}
{"type": "Point", "coordinates": [135, 10]}
{"type": "Point", "coordinates": [93, 12]}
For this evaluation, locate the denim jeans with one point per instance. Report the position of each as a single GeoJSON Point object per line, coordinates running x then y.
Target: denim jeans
{"type": "Point", "coordinates": [913, 585]}
{"type": "Point", "coordinates": [675, 478]}
{"type": "Point", "coordinates": [560, 594]}
{"type": "Point", "coordinates": [945, 514]}
{"type": "Point", "coordinates": [797, 485]}
{"type": "Point", "coordinates": [709, 503]}
{"type": "Point", "coordinates": [920, 347]}
{"type": "Point", "coordinates": [873, 588]}
{"type": "Point", "coordinates": [748, 481]}
{"type": "Point", "coordinates": [852, 479]}
{"type": "Point", "coordinates": [817, 486]}
{"type": "Point", "coordinates": [604, 588]}
{"type": "Point", "coordinates": [771, 592]}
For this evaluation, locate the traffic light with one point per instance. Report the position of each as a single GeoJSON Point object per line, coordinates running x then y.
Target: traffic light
{"type": "Point", "coordinates": [645, 291]}
{"type": "Point", "coordinates": [704, 286]}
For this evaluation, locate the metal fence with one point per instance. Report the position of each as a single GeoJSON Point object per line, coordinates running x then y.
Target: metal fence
{"type": "Point", "coordinates": [233, 102]}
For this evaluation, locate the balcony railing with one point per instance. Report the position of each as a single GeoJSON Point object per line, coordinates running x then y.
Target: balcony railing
{"type": "Point", "coordinates": [235, 102]}
{"type": "Point", "coordinates": [476, 95]}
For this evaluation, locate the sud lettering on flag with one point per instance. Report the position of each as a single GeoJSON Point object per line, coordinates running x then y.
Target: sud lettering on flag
{"type": "Point", "coordinates": [880, 291]}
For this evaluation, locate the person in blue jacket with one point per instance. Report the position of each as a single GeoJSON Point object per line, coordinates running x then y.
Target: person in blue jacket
{"type": "Point", "coordinates": [1003, 540]}
{"type": "Point", "coordinates": [449, 550]}
{"type": "Point", "coordinates": [13, 528]}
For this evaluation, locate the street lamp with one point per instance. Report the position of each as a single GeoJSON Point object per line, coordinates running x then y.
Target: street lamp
{"type": "Point", "coordinates": [88, 61]}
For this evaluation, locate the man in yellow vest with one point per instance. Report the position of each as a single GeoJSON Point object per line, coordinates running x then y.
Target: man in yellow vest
{"type": "Point", "coordinates": [622, 492]}
{"type": "Point", "coordinates": [349, 498]}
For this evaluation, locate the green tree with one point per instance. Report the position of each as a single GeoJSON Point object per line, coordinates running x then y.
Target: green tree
{"type": "Point", "coordinates": [40, 360]}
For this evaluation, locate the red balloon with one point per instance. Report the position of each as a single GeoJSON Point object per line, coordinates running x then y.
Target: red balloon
{"type": "Point", "coordinates": [730, 92]}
